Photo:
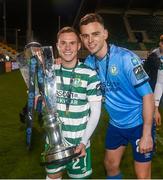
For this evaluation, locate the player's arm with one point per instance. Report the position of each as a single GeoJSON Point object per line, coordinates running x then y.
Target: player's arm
{"type": "Point", "coordinates": [139, 79]}
{"type": "Point", "coordinates": [94, 97]}
{"type": "Point", "coordinates": [95, 107]}
{"type": "Point", "coordinates": [146, 142]}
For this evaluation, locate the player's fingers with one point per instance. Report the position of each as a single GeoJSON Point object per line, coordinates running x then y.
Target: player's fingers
{"type": "Point", "coordinates": [83, 153]}
{"type": "Point", "coordinates": [77, 150]}
{"type": "Point", "coordinates": [146, 150]}
{"type": "Point", "coordinates": [141, 150]}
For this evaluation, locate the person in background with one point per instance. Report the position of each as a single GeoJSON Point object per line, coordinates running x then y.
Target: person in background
{"type": "Point", "coordinates": [154, 68]}
{"type": "Point", "coordinates": [127, 96]}
{"type": "Point", "coordinates": [158, 91]}
{"type": "Point", "coordinates": [151, 65]}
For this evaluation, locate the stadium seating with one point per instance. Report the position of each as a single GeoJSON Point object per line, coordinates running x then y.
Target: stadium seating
{"type": "Point", "coordinates": [8, 51]}
{"type": "Point", "coordinates": [151, 24]}
{"type": "Point", "coordinates": [115, 26]}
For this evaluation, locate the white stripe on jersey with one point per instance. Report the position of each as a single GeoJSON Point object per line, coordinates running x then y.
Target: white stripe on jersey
{"type": "Point", "coordinates": [55, 170]}
{"type": "Point", "coordinates": [94, 98]}
{"type": "Point", "coordinates": [70, 134]}
{"type": "Point", "coordinates": [83, 70]}
{"type": "Point", "coordinates": [87, 71]}
{"type": "Point", "coordinates": [92, 86]}
{"type": "Point", "coordinates": [80, 176]}
{"type": "Point", "coordinates": [66, 81]}
{"type": "Point", "coordinates": [73, 108]}
{"type": "Point", "coordinates": [74, 122]}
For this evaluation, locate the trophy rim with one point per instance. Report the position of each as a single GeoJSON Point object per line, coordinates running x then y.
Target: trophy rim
{"type": "Point", "coordinates": [32, 44]}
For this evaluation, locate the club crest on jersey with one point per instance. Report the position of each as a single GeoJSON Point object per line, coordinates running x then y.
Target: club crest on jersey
{"type": "Point", "coordinates": [135, 61]}
{"type": "Point", "coordinates": [113, 70]}
{"type": "Point", "coordinates": [77, 82]}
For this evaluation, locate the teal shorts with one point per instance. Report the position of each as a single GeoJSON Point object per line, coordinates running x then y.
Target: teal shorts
{"type": "Point", "coordinates": [79, 167]}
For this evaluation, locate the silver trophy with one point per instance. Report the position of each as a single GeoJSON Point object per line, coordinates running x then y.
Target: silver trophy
{"type": "Point", "coordinates": [59, 151]}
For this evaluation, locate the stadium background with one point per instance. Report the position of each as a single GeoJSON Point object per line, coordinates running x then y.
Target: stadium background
{"type": "Point", "coordinates": [134, 24]}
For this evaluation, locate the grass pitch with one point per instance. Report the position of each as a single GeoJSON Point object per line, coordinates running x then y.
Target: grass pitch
{"type": "Point", "coordinates": [16, 162]}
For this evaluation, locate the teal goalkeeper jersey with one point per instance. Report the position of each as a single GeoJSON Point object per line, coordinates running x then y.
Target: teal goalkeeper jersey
{"type": "Point", "coordinates": [83, 86]}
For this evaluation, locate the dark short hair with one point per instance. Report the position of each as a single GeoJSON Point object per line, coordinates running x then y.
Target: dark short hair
{"type": "Point", "coordinates": [90, 18]}
{"type": "Point", "coordinates": [68, 29]}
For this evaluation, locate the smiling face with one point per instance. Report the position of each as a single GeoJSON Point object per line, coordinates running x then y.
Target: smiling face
{"type": "Point", "coordinates": [93, 36]}
{"type": "Point", "coordinates": [68, 46]}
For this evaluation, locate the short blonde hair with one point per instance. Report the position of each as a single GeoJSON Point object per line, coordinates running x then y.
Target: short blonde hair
{"type": "Point", "coordinates": [68, 29]}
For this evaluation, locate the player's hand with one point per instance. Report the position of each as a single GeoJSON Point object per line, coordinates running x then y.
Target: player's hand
{"type": "Point", "coordinates": [80, 149]}
{"type": "Point", "coordinates": [157, 118]}
{"type": "Point", "coordinates": [58, 61]}
{"type": "Point", "coordinates": [145, 144]}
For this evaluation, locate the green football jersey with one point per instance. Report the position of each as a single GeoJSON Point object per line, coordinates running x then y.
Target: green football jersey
{"type": "Point", "coordinates": [75, 87]}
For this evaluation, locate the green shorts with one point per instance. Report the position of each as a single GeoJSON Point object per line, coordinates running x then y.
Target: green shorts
{"type": "Point", "coordinates": [77, 168]}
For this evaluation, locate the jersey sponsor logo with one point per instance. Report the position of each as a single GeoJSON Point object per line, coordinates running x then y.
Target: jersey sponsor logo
{"type": "Point", "coordinates": [114, 70]}
{"type": "Point", "coordinates": [66, 94]}
{"type": "Point", "coordinates": [139, 72]}
{"type": "Point", "coordinates": [63, 96]}
{"type": "Point", "coordinates": [62, 100]}
{"type": "Point", "coordinates": [135, 61]}
{"type": "Point", "coordinates": [111, 86]}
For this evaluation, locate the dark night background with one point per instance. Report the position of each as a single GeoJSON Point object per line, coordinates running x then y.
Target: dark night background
{"type": "Point", "coordinates": [46, 13]}
{"type": "Point", "coordinates": [45, 17]}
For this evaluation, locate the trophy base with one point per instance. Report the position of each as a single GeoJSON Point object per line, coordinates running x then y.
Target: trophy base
{"type": "Point", "coordinates": [60, 157]}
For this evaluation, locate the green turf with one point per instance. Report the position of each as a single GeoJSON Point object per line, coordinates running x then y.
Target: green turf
{"type": "Point", "coordinates": [17, 162]}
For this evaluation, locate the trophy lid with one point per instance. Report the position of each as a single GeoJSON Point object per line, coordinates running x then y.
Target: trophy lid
{"type": "Point", "coordinates": [32, 44]}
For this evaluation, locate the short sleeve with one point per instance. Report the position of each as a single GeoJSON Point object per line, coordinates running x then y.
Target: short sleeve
{"type": "Point", "coordinates": [144, 89]}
